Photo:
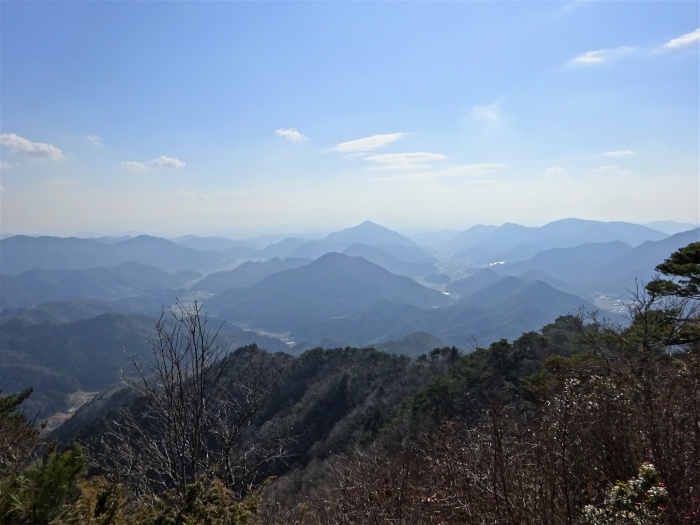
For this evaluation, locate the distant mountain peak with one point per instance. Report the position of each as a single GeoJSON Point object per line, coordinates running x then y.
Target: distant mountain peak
{"type": "Point", "coordinates": [367, 232]}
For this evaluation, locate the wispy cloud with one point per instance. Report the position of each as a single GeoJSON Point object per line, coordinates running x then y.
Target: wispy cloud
{"type": "Point", "coordinates": [291, 134]}
{"type": "Point", "coordinates": [95, 140]}
{"type": "Point", "coordinates": [620, 153]}
{"type": "Point", "coordinates": [683, 41]}
{"type": "Point", "coordinates": [486, 113]}
{"type": "Point", "coordinates": [486, 118]}
{"type": "Point", "coordinates": [405, 160]}
{"type": "Point", "coordinates": [555, 170]}
{"type": "Point", "coordinates": [6, 165]}
{"type": "Point", "coordinates": [367, 144]}
{"type": "Point", "coordinates": [132, 165]}
{"type": "Point", "coordinates": [26, 148]}
{"type": "Point", "coordinates": [610, 169]}
{"type": "Point", "coordinates": [601, 56]}
{"type": "Point", "coordinates": [168, 162]}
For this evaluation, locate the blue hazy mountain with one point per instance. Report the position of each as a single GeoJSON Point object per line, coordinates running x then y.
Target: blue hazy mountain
{"type": "Point", "coordinates": [34, 287]}
{"type": "Point", "coordinates": [246, 274]}
{"type": "Point", "coordinates": [214, 244]}
{"type": "Point", "coordinates": [21, 253]}
{"type": "Point", "coordinates": [504, 308]}
{"type": "Point", "coordinates": [513, 242]}
{"type": "Point", "coordinates": [611, 267]}
{"type": "Point", "coordinates": [390, 262]}
{"type": "Point", "coordinates": [369, 234]}
{"type": "Point", "coordinates": [333, 285]}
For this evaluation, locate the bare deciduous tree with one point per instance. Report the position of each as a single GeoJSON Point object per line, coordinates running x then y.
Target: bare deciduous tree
{"type": "Point", "coordinates": [189, 420]}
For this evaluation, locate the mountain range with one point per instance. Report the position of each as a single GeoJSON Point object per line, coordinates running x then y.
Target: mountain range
{"type": "Point", "coordinates": [66, 302]}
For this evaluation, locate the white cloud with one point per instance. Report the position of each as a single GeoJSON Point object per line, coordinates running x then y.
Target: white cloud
{"type": "Point", "coordinates": [683, 41]}
{"type": "Point", "coordinates": [6, 165]}
{"type": "Point", "coordinates": [132, 165]}
{"type": "Point", "coordinates": [555, 170]}
{"type": "Point", "coordinates": [405, 160]}
{"type": "Point", "coordinates": [23, 147]}
{"type": "Point", "coordinates": [621, 153]}
{"type": "Point", "coordinates": [489, 114]}
{"type": "Point", "coordinates": [487, 119]}
{"type": "Point", "coordinates": [168, 162]}
{"type": "Point", "coordinates": [367, 144]}
{"type": "Point", "coordinates": [95, 140]}
{"type": "Point", "coordinates": [601, 56]}
{"type": "Point", "coordinates": [291, 134]}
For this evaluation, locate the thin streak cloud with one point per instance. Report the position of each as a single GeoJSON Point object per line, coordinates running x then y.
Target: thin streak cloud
{"type": "Point", "coordinates": [683, 41]}
{"type": "Point", "coordinates": [601, 56]}
{"type": "Point", "coordinates": [405, 160]}
{"type": "Point", "coordinates": [367, 144]}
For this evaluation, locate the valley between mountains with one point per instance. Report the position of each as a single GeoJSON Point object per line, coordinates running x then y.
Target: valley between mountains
{"type": "Point", "coordinates": [73, 308]}
{"type": "Point", "coordinates": [511, 374]}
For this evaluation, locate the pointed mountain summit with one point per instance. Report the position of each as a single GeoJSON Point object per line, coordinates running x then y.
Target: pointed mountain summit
{"type": "Point", "coordinates": [366, 233]}
{"type": "Point", "coordinates": [333, 285]}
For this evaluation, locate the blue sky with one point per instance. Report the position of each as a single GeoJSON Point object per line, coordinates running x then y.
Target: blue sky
{"type": "Point", "coordinates": [240, 118]}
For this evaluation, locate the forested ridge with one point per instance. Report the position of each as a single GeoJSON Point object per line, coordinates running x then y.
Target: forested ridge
{"type": "Point", "coordinates": [583, 422]}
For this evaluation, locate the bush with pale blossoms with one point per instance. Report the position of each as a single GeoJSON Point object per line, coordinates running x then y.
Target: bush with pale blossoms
{"type": "Point", "coordinates": [639, 501]}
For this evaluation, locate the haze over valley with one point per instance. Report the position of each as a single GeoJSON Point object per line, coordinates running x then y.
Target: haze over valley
{"type": "Point", "coordinates": [72, 302]}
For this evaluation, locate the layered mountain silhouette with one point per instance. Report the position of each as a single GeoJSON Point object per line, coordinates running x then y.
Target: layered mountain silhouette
{"type": "Point", "coordinates": [513, 242]}
{"type": "Point", "coordinates": [246, 274]}
{"type": "Point", "coordinates": [21, 253]}
{"type": "Point", "coordinates": [70, 306]}
{"type": "Point", "coordinates": [334, 285]}
{"type": "Point", "coordinates": [504, 308]}
{"type": "Point", "coordinates": [599, 267]}
{"type": "Point", "coordinates": [34, 287]}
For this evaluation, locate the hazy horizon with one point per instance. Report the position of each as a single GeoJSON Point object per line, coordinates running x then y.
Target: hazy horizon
{"type": "Point", "coordinates": [316, 233]}
{"type": "Point", "coordinates": [249, 118]}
